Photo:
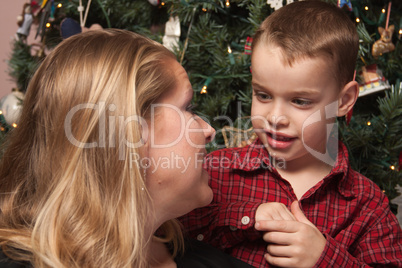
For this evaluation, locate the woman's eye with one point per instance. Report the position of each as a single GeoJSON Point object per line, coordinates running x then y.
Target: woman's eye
{"type": "Point", "coordinates": [302, 102]}
{"type": "Point", "coordinates": [190, 108]}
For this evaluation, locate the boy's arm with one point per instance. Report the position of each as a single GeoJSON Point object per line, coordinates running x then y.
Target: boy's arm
{"type": "Point", "coordinates": [223, 225]}
{"type": "Point", "coordinates": [379, 245]}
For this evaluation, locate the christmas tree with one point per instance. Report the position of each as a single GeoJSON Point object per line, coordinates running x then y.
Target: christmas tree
{"type": "Point", "coordinates": [212, 38]}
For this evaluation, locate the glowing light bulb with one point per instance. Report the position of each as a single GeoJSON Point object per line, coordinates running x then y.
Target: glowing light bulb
{"type": "Point", "coordinates": [357, 20]}
{"type": "Point", "coordinates": [204, 90]}
{"type": "Point", "coordinates": [204, 9]}
{"type": "Point", "coordinates": [392, 167]}
{"type": "Point", "coordinates": [366, 7]}
{"type": "Point", "coordinates": [48, 25]}
{"type": "Point", "coordinates": [59, 5]}
{"type": "Point", "coordinates": [14, 125]}
{"type": "Point", "coordinates": [229, 49]}
{"type": "Point", "coordinates": [227, 3]}
{"type": "Point", "coordinates": [162, 3]}
{"type": "Point", "coordinates": [1, 112]}
{"type": "Point", "coordinates": [383, 10]}
{"type": "Point", "coordinates": [369, 123]}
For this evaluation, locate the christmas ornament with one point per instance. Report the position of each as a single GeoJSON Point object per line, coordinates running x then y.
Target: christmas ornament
{"type": "Point", "coordinates": [237, 137]}
{"type": "Point", "coordinates": [372, 80]}
{"type": "Point", "coordinates": [247, 46]}
{"type": "Point", "coordinates": [277, 4]}
{"type": "Point", "coordinates": [154, 2]}
{"type": "Point", "coordinates": [24, 22]}
{"type": "Point", "coordinates": [11, 106]}
{"type": "Point", "coordinates": [69, 27]}
{"type": "Point", "coordinates": [342, 3]}
{"type": "Point", "coordinates": [384, 44]}
{"type": "Point", "coordinates": [172, 33]}
{"type": "Point", "coordinates": [349, 116]}
{"type": "Point", "coordinates": [44, 17]}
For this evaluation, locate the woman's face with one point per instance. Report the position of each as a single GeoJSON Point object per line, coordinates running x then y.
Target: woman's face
{"type": "Point", "coordinates": [175, 178]}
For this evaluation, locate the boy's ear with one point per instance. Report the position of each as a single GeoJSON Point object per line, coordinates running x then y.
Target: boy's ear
{"type": "Point", "coordinates": [347, 98]}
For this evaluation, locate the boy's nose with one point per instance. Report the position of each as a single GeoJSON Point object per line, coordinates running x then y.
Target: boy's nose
{"type": "Point", "coordinates": [277, 117]}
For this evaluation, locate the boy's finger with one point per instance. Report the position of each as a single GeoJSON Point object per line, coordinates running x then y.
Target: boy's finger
{"type": "Point", "coordinates": [298, 213]}
{"type": "Point", "coordinates": [278, 250]}
{"type": "Point", "coordinates": [277, 226]}
{"type": "Point", "coordinates": [278, 238]}
{"type": "Point", "coordinates": [278, 261]}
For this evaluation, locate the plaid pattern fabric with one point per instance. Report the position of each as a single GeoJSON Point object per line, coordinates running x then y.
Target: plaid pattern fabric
{"type": "Point", "coordinates": [349, 209]}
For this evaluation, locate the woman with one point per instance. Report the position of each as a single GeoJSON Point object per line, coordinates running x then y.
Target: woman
{"type": "Point", "coordinates": [107, 154]}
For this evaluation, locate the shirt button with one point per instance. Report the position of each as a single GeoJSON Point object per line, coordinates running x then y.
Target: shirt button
{"type": "Point", "coordinates": [200, 237]}
{"type": "Point", "coordinates": [245, 220]}
{"type": "Point", "coordinates": [232, 228]}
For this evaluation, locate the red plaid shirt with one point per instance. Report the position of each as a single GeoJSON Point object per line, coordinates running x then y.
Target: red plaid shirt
{"type": "Point", "coordinates": [349, 209]}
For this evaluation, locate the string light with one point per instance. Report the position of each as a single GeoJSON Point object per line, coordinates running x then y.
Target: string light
{"type": "Point", "coordinates": [206, 84]}
{"type": "Point", "coordinates": [204, 90]}
{"type": "Point", "coordinates": [59, 5]}
{"type": "Point", "coordinates": [366, 7]}
{"type": "Point", "coordinates": [383, 10]}
{"type": "Point", "coordinates": [2, 128]}
{"type": "Point", "coordinates": [369, 123]}
{"type": "Point", "coordinates": [231, 58]}
{"type": "Point", "coordinates": [356, 14]}
{"type": "Point", "coordinates": [392, 167]}
{"type": "Point", "coordinates": [204, 9]}
{"type": "Point", "coordinates": [162, 3]}
{"type": "Point", "coordinates": [48, 25]}
{"type": "Point", "coordinates": [14, 125]}
{"type": "Point", "coordinates": [227, 3]}
{"type": "Point", "coordinates": [1, 112]}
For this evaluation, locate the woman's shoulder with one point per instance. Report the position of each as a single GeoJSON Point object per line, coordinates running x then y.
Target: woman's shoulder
{"type": "Point", "coordinates": [201, 255]}
{"type": "Point", "coordinates": [6, 262]}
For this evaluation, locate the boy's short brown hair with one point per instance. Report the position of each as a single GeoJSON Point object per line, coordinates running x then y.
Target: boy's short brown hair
{"type": "Point", "coordinates": [313, 29]}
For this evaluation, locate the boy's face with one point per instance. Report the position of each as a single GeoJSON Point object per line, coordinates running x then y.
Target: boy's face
{"type": "Point", "coordinates": [292, 106]}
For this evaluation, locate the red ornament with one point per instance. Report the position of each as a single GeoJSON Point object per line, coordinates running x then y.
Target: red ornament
{"type": "Point", "coordinates": [349, 116]}
{"type": "Point", "coordinates": [247, 46]}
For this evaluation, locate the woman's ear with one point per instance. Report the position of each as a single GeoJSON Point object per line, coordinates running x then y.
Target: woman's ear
{"type": "Point", "coordinates": [347, 98]}
{"type": "Point", "coordinates": [144, 133]}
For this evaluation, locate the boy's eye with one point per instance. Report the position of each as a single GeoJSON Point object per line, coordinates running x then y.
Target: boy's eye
{"type": "Point", "coordinates": [262, 96]}
{"type": "Point", "coordinates": [302, 102]}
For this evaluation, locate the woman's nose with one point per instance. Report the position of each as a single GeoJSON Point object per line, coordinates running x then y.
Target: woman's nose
{"type": "Point", "coordinates": [209, 131]}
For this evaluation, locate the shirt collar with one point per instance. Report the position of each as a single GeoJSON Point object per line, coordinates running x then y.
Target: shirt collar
{"type": "Point", "coordinates": [255, 156]}
{"type": "Point", "coordinates": [252, 157]}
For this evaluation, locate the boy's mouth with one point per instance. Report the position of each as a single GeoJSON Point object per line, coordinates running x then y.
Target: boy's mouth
{"type": "Point", "coordinates": [279, 140]}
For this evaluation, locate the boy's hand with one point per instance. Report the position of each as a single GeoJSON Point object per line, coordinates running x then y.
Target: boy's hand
{"type": "Point", "coordinates": [273, 211]}
{"type": "Point", "coordinates": [292, 243]}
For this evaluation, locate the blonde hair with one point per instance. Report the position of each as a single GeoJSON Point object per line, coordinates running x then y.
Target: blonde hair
{"type": "Point", "coordinates": [313, 29]}
{"type": "Point", "coordinates": [80, 203]}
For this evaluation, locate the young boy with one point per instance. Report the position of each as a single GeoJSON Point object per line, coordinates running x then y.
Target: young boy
{"type": "Point", "coordinates": [291, 199]}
